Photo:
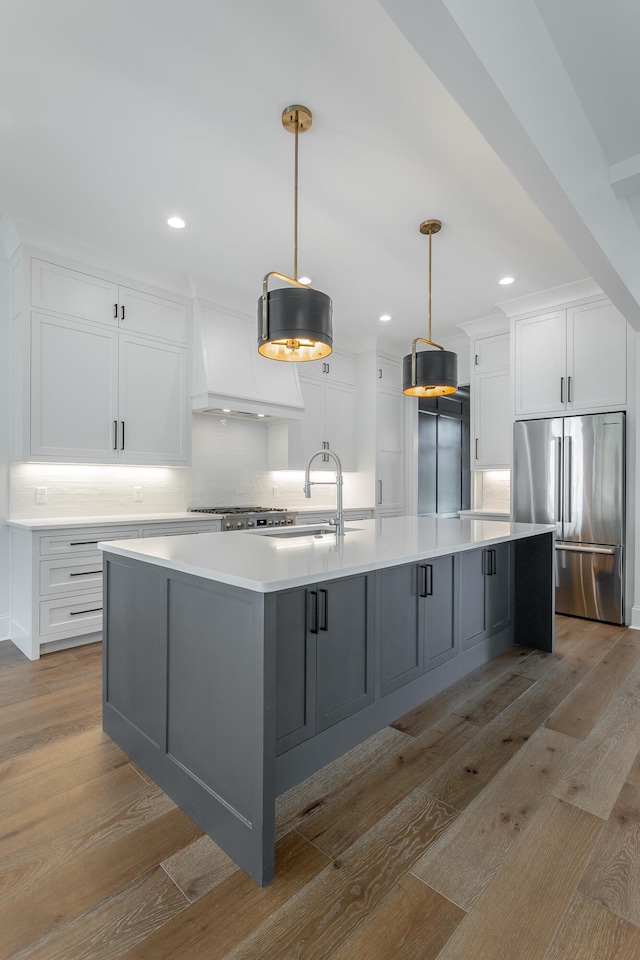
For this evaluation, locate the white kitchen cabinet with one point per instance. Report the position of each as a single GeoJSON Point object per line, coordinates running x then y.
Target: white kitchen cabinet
{"type": "Point", "coordinates": [571, 360]}
{"type": "Point", "coordinates": [105, 370]}
{"type": "Point", "coordinates": [56, 288]}
{"type": "Point", "coordinates": [103, 396]}
{"type": "Point", "coordinates": [380, 414]}
{"type": "Point", "coordinates": [56, 589]}
{"type": "Point", "coordinates": [491, 422]}
{"type": "Point", "coordinates": [329, 419]}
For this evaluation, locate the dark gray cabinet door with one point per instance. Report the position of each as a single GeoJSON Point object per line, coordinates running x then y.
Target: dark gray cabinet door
{"type": "Point", "coordinates": [498, 587]}
{"type": "Point", "coordinates": [295, 671]}
{"type": "Point", "coordinates": [485, 592]}
{"type": "Point", "coordinates": [438, 610]}
{"type": "Point", "coordinates": [343, 620]}
{"type": "Point", "coordinates": [397, 616]}
{"type": "Point", "coordinates": [472, 597]}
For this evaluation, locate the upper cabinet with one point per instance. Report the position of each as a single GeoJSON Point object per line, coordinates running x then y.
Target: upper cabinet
{"type": "Point", "coordinates": [380, 418]}
{"type": "Point", "coordinates": [328, 392]}
{"type": "Point", "coordinates": [571, 360]}
{"type": "Point", "coordinates": [490, 399]}
{"type": "Point", "coordinates": [105, 370]}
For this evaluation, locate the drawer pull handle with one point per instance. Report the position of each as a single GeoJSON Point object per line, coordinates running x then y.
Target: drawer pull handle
{"type": "Point", "coordinates": [82, 543]}
{"type": "Point", "coordinates": [77, 613]}
{"type": "Point", "coordinates": [84, 573]}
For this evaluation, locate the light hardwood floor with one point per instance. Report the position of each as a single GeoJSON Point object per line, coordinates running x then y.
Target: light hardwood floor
{"type": "Point", "coordinates": [498, 821]}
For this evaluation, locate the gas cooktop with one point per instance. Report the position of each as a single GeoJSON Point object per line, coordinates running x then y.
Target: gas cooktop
{"type": "Point", "coordinates": [239, 518]}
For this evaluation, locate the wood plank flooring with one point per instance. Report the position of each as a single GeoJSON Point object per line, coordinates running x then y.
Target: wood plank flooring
{"type": "Point", "coordinates": [500, 820]}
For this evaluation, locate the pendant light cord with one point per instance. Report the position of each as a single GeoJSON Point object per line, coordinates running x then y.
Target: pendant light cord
{"type": "Point", "coordinates": [295, 203]}
{"type": "Point", "coordinates": [429, 334]}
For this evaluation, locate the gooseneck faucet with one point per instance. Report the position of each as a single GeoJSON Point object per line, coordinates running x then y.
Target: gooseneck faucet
{"type": "Point", "coordinates": [338, 520]}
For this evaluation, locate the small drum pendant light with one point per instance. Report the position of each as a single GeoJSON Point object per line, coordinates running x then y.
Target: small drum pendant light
{"type": "Point", "coordinates": [295, 322]}
{"type": "Point", "coordinates": [429, 373]}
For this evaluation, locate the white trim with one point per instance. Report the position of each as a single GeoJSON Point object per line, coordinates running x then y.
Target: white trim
{"type": "Point", "coordinates": [551, 299]}
{"type": "Point", "coordinates": [635, 619]}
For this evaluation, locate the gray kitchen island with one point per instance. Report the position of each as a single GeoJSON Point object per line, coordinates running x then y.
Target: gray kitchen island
{"type": "Point", "coordinates": [236, 665]}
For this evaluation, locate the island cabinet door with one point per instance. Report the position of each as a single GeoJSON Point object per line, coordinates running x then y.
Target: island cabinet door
{"type": "Point", "coordinates": [398, 625]}
{"type": "Point", "coordinates": [472, 596]}
{"type": "Point", "coordinates": [499, 584]}
{"type": "Point", "coordinates": [438, 610]}
{"type": "Point", "coordinates": [486, 590]}
{"type": "Point", "coordinates": [295, 670]}
{"type": "Point", "coordinates": [341, 619]}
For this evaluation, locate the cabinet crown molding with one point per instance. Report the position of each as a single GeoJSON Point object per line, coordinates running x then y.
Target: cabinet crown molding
{"type": "Point", "coordinates": [551, 299]}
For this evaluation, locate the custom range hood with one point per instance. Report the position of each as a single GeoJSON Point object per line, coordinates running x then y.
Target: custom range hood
{"type": "Point", "coordinates": [229, 377]}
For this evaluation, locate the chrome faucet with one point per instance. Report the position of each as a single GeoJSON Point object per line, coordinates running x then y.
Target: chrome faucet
{"type": "Point", "coordinates": [338, 520]}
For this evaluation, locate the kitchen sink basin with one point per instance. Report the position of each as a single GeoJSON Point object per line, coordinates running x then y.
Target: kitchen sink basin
{"type": "Point", "coordinates": [290, 533]}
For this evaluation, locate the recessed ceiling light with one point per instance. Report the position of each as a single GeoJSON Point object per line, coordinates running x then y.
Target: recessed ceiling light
{"type": "Point", "coordinates": [224, 410]}
{"type": "Point", "coordinates": [506, 280]}
{"type": "Point", "coordinates": [262, 414]}
{"type": "Point", "coordinates": [385, 317]}
{"type": "Point", "coordinates": [305, 280]}
{"type": "Point", "coordinates": [178, 223]}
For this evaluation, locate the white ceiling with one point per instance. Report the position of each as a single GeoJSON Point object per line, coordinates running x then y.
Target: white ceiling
{"type": "Point", "coordinates": [115, 115]}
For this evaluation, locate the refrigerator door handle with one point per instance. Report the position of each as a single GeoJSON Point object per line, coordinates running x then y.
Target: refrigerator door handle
{"type": "Point", "coordinates": [568, 452]}
{"type": "Point", "coordinates": [585, 548]}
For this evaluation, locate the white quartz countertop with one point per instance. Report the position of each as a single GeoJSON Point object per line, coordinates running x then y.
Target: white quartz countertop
{"type": "Point", "coordinates": [49, 523]}
{"type": "Point", "coordinates": [263, 563]}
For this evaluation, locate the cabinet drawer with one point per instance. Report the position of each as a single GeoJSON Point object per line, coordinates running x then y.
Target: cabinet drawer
{"type": "Point", "coordinates": [80, 615]}
{"type": "Point", "coordinates": [74, 574]}
{"type": "Point", "coordinates": [83, 541]}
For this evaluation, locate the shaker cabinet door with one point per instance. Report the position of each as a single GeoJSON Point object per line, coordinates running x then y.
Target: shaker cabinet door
{"type": "Point", "coordinates": [74, 385]}
{"type": "Point", "coordinates": [153, 401]}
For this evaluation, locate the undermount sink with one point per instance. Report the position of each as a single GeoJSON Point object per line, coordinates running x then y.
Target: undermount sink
{"type": "Point", "coordinates": [302, 531]}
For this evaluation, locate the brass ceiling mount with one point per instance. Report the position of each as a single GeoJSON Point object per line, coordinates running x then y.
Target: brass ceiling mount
{"type": "Point", "coordinates": [296, 116]}
{"type": "Point", "coordinates": [428, 227]}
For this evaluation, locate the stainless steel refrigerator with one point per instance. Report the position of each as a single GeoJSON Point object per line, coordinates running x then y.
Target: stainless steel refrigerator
{"type": "Point", "coordinates": [571, 471]}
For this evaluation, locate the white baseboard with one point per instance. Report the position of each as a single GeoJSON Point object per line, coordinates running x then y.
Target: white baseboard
{"type": "Point", "coordinates": [635, 618]}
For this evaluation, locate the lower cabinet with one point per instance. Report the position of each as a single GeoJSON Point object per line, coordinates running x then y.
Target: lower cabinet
{"type": "Point", "coordinates": [324, 657]}
{"type": "Point", "coordinates": [416, 613]}
{"type": "Point", "coordinates": [486, 588]}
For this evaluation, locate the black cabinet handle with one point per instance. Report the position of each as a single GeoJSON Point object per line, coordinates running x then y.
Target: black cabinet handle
{"type": "Point", "coordinates": [84, 573]}
{"type": "Point", "coordinates": [115, 434]}
{"type": "Point", "coordinates": [115, 311]}
{"type": "Point", "coordinates": [561, 389]}
{"type": "Point", "coordinates": [122, 422]}
{"type": "Point", "coordinates": [82, 543]}
{"type": "Point", "coordinates": [313, 612]}
{"type": "Point", "coordinates": [422, 587]}
{"type": "Point", "coordinates": [429, 569]}
{"type": "Point", "coordinates": [489, 562]}
{"type": "Point", "coordinates": [569, 390]}
{"type": "Point", "coordinates": [77, 613]}
{"type": "Point", "coordinates": [325, 609]}
{"type": "Point", "coordinates": [122, 312]}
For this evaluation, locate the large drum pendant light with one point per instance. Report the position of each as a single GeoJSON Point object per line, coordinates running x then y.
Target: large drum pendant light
{"type": "Point", "coordinates": [295, 322]}
{"type": "Point", "coordinates": [429, 373]}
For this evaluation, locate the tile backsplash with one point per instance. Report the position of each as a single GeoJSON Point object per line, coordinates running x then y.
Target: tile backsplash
{"type": "Point", "coordinates": [228, 468]}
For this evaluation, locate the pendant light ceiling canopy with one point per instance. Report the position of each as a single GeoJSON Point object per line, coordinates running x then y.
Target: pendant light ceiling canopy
{"type": "Point", "coordinates": [294, 322]}
{"type": "Point", "coordinates": [429, 373]}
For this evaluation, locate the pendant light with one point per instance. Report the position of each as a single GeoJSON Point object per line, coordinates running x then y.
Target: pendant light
{"type": "Point", "coordinates": [429, 373]}
{"type": "Point", "coordinates": [295, 322]}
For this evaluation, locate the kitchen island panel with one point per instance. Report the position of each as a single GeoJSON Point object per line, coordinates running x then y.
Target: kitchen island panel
{"type": "Point", "coordinates": [207, 661]}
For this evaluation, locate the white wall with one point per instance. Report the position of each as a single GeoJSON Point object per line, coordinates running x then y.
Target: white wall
{"type": "Point", "coordinates": [228, 468]}
{"type": "Point", "coordinates": [4, 449]}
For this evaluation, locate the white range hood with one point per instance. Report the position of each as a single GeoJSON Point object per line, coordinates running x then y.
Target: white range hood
{"type": "Point", "coordinates": [229, 376]}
